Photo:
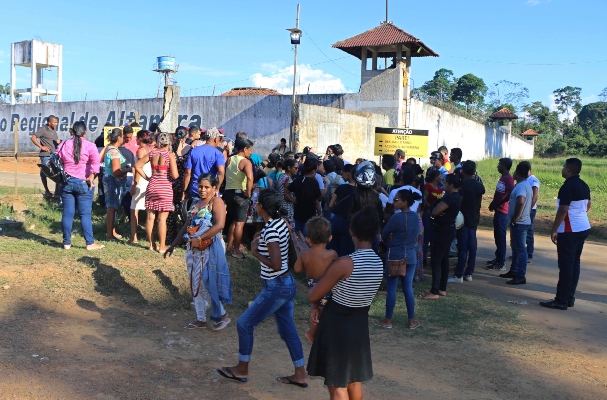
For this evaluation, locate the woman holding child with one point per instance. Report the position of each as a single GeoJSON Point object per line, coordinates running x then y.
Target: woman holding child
{"type": "Point", "coordinates": [271, 248]}
{"type": "Point", "coordinates": [341, 352]}
{"type": "Point", "coordinates": [400, 233]}
{"type": "Point", "coordinates": [205, 256]}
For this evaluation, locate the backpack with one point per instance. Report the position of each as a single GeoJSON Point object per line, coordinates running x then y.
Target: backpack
{"type": "Point", "coordinates": [331, 186]}
{"type": "Point", "coordinates": [54, 169]}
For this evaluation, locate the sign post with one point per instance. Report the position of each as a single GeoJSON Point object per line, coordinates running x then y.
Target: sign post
{"type": "Point", "coordinates": [413, 141]}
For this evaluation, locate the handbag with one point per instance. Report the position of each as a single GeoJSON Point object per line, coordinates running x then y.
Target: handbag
{"type": "Point", "coordinates": [201, 245]}
{"type": "Point", "coordinates": [54, 169]}
{"type": "Point", "coordinates": [397, 268]}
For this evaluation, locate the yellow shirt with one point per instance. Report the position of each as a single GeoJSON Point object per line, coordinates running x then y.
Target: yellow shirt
{"type": "Point", "coordinates": [389, 177]}
{"type": "Point", "coordinates": [235, 178]}
{"type": "Point", "coordinates": [447, 166]}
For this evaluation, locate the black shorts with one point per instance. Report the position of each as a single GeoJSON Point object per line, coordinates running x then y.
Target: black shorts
{"type": "Point", "coordinates": [237, 206]}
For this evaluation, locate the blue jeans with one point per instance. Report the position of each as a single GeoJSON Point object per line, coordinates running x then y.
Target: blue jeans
{"type": "Point", "coordinates": [300, 227]}
{"type": "Point", "coordinates": [342, 241]}
{"type": "Point", "coordinates": [428, 226]}
{"type": "Point", "coordinates": [500, 227]}
{"type": "Point", "coordinates": [466, 251]}
{"type": "Point", "coordinates": [114, 188]}
{"type": "Point", "coordinates": [569, 246]}
{"type": "Point", "coordinates": [77, 192]}
{"type": "Point", "coordinates": [406, 283]}
{"type": "Point", "coordinates": [276, 298]}
{"type": "Point", "coordinates": [518, 239]}
{"type": "Point", "coordinates": [530, 238]}
{"type": "Point", "coordinates": [43, 161]}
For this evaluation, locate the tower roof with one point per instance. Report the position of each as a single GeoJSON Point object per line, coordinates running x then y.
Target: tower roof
{"type": "Point", "coordinates": [504, 113]}
{"type": "Point", "coordinates": [530, 132]}
{"type": "Point", "coordinates": [386, 34]}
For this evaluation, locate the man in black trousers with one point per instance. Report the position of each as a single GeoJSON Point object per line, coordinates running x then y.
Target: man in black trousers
{"type": "Point", "coordinates": [570, 230]}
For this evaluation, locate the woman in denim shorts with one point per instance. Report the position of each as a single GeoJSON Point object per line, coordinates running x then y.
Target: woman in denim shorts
{"type": "Point", "coordinates": [114, 180]}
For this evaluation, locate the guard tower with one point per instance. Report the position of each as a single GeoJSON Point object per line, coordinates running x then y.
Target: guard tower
{"type": "Point", "coordinates": [36, 55]}
{"type": "Point", "coordinates": [396, 47]}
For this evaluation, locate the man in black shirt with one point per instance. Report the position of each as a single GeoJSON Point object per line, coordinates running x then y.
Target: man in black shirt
{"type": "Point", "coordinates": [472, 195]}
{"type": "Point", "coordinates": [307, 195]}
{"type": "Point", "coordinates": [569, 232]}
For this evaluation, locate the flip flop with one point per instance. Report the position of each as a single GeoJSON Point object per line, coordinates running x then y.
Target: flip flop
{"type": "Point", "coordinates": [291, 382]}
{"type": "Point", "coordinates": [376, 323]}
{"type": "Point", "coordinates": [415, 326]}
{"type": "Point", "coordinates": [192, 325]}
{"type": "Point", "coordinates": [231, 375]}
{"type": "Point", "coordinates": [425, 297]}
{"type": "Point", "coordinates": [222, 324]}
{"type": "Point", "coordinates": [238, 258]}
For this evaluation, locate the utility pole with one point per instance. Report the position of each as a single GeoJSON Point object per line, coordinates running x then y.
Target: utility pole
{"type": "Point", "coordinates": [295, 40]}
{"type": "Point", "coordinates": [386, 11]}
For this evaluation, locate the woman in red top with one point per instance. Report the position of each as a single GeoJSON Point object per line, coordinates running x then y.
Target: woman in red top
{"type": "Point", "coordinates": [432, 193]}
{"type": "Point", "coordinates": [159, 193]}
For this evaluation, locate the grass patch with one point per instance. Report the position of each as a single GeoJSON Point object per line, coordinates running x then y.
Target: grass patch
{"type": "Point", "coordinates": [135, 276]}
{"type": "Point", "coordinates": [548, 171]}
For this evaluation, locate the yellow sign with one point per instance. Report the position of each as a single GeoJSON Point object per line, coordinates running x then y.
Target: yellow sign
{"type": "Point", "coordinates": [413, 141]}
{"type": "Point", "coordinates": [107, 129]}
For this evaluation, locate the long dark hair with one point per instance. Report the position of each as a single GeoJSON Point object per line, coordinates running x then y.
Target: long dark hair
{"type": "Point", "coordinates": [271, 201]}
{"type": "Point", "coordinates": [78, 129]}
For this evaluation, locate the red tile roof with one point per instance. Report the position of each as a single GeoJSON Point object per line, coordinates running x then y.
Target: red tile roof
{"type": "Point", "coordinates": [251, 91]}
{"type": "Point", "coordinates": [504, 113]}
{"type": "Point", "coordinates": [530, 132]}
{"type": "Point", "coordinates": [384, 35]}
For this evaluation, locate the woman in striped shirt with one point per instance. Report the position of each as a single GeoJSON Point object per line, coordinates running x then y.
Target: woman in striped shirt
{"type": "Point", "coordinates": [271, 248]}
{"type": "Point", "coordinates": [341, 352]}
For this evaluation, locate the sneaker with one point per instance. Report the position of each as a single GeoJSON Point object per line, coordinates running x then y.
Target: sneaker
{"type": "Point", "coordinates": [492, 261]}
{"type": "Point", "coordinates": [498, 267]}
{"type": "Point", "coordinates": [468, 278]}
{"type": "Point", "coordinates": [455, 279]}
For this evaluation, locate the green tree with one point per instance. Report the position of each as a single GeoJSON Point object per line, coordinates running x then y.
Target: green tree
{"type": "Point", "coordinates": [603, 95]}
{"type": "Point", "coordinates": [470, 90]}
{"type": "Point", "coordinates": [441, 86]}
{"type": "Point", "coordinates": [593, 116]}
{"type": "Point", "coordinates": [568, 98]}
{"type": "Point", "coordinates": [508, 92]}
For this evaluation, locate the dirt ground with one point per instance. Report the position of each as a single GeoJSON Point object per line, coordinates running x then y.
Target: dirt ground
{"type": "Point", "coordinates": [27, 165]}
{"type": "Point", "coordinates": [110, 346]}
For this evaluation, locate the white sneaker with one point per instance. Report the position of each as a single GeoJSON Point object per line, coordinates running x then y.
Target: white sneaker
{"type": "Point", "coordinates": [468, 278]}
{"type": "Point", "coordinates": [455, 279]}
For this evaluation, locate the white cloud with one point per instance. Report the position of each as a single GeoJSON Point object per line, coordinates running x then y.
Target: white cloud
{"type": "Point", "coordinates": [553, 107]}
{"type": "Point", "coordinates": [593, 98]}
{"type": "Point", "coordinates": [537, 2]}
{"type": "Point", "coordinates": [204, 70]}
{"type": "Point", "coordinates": [308, 80]}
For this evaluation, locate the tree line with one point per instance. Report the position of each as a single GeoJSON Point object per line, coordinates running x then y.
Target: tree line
{"type": "Point", "coordinates": [571, 129]}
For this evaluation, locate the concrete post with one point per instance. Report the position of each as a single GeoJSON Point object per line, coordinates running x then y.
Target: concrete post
{"type": "Point", "coordinates": [374, 60]}
{"type": "Point", "coordinates": [13, 74]}
{"type": "Point", "coordinates": [363, 60]}
{"type": "Point", "coordinates": [33, 71]}
{"type": "Point", "coordinates": [60, 76]}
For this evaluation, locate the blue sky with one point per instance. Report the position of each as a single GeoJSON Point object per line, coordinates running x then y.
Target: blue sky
{"type": "Point", "coordinates": [110, 46]}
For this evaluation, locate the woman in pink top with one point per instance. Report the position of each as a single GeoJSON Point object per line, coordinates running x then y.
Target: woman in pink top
{"type": "Point", "coordinates": [81, 162]}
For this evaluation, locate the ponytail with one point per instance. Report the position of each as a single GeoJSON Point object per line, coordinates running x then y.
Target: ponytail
{"type": "Point", "coordinates": [79, 129]}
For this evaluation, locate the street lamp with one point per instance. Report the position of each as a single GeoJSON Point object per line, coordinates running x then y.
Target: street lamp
{"type": "Point", "coordinates": [295, 40]}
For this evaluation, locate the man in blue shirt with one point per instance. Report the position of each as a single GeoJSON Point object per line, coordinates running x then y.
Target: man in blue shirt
{"type": "Point", "coordinates": [519, 216]}
{"type": "Point", "coordinates": [437, 160]}
{"type": "Point", "coordinates": [202, 160]}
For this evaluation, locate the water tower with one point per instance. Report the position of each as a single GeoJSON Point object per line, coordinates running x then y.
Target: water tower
{"type": "Point", "coordinates": [166, 66]}
{"type": "Point", "coordinates": [37, 55]}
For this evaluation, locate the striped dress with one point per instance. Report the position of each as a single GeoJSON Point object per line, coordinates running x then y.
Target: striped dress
{"type": "Point", "coordinates": [159, 193]}
{"type": "Point", "coordinates": [341, 351]}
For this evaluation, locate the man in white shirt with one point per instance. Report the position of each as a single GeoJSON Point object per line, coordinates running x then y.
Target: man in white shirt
{"type": "Point", "coordinates": [535, 187]}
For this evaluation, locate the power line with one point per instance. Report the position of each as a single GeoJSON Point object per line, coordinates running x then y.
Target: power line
{"type": "Point", "coordinates": [323, 53]}
{"type": "Point", "coordinates": [528, 64]}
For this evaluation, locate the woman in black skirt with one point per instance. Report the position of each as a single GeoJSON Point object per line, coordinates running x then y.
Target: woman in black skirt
{"type": "Point", "coordinates": [341, 352]}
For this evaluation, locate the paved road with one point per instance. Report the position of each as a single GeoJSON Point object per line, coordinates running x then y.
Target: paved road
{"type": "Point", "coordinates": [23, 180]}
{"type": "Point", "coordinates": [583, 327]}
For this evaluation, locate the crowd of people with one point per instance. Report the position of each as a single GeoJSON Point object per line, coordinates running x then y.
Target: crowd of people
{"type": "Point", "coordinates": [363, 222]}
